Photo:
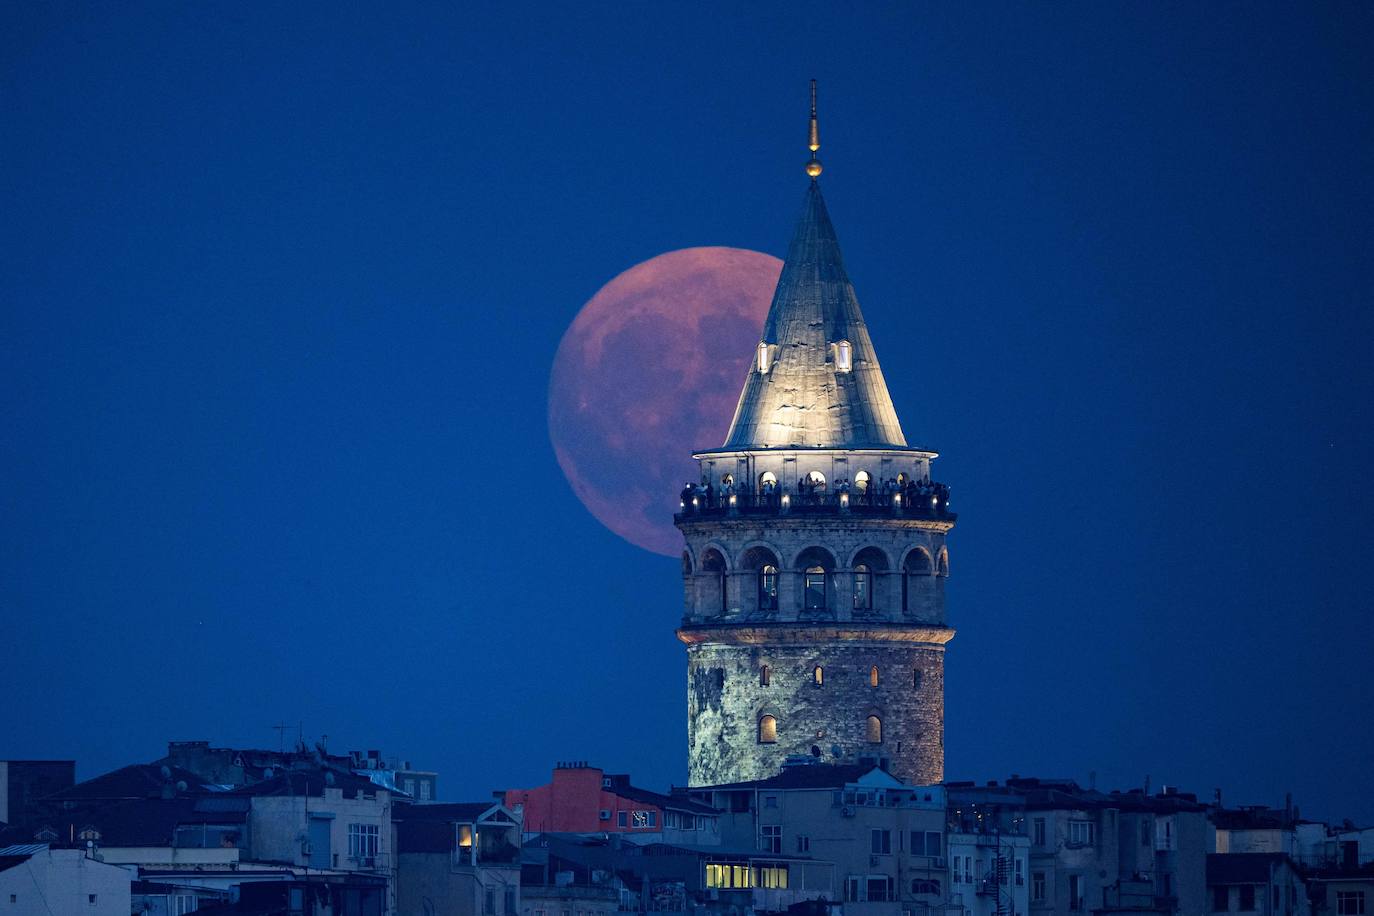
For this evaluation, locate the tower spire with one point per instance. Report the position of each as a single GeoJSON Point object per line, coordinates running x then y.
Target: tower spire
{"type": "Point", "coordinates": [813, 168]}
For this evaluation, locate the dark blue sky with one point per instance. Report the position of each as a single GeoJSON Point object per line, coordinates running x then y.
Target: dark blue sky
{"type": "Point", "coordinates": [280, 288]}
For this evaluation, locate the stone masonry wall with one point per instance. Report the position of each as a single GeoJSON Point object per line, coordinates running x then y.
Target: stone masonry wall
{"type": "Point", "coordinates": [726, 700]}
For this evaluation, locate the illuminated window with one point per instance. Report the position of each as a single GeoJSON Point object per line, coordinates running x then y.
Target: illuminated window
{"type": "Point", "coordinates": [771, 876]}
{"type": "Point", "coordinates": [861, 480]}
{"type": "Point", "coordinates": [943, 562]}
{"type": "Point", "coordinates": [816, 479]}
{"type": "Point", "coordinates": [814, 588]}
{"type": "Point", "coordinates": [873, 676]}
{"type": "Point", "coordinates": [765, 676]}
{"type": "Point", "coordinates": [768, 730]}
{"type": "Point", "coordinates": [844, 356]}
{"type": "Point", "coordinates": [818, 675]}
{"type": "Point", "coordinates": [768, 588]}
{"type": "Point", "coordinates": [874, 732]}
{"type": "Point", "coordinates": [727, 480]}
{"type": "Point", "coordinates": [765, 357]}
{"type": "Point", "coordinates": [767, 481]}
{"type": "Point", "coordinates": [863, 588]}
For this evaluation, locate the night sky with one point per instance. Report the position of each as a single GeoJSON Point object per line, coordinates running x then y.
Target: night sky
{"type": "Point", "coordinates": [280, 289]}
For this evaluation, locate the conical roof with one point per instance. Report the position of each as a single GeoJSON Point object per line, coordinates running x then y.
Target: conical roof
{"type": "Point", "coordinates": [799, 392]}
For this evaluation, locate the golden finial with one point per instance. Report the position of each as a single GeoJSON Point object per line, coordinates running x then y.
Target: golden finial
{"type": "Point", "coordinates": [813, 168]}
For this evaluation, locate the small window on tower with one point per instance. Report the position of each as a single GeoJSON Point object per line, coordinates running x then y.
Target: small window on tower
{"type": "Point", "coordinates": [765, 676]}
{"type": "Point", "coordinates": [844, 356]}
{"type": "Point", "coordinates": [765, 357]}
{"type": "Point", "coordinates": [768, 730]}
{"type": "Point", "coordinates": [818, 675]}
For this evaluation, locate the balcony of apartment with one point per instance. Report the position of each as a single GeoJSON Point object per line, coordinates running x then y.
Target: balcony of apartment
{"type": "Point", "coordinates": [927, 502]}
{"type": "Point", "coordinates": [584, 892]}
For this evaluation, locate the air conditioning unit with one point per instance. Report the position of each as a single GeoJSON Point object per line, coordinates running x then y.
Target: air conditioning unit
{"type": "Point", "coordinates": [605, 815]}
{"type": "Point", "coordinates": [847, 811]}
{"type": "Point", "coordinates": [938, 863]}
{"type": "Point", "coordinates": [872, 861]}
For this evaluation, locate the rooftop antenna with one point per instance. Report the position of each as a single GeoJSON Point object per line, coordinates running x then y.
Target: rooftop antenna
{"type": "Point", "coordinates": [280, 729]}
{"type": "Point", "coordinates": [813, 168]}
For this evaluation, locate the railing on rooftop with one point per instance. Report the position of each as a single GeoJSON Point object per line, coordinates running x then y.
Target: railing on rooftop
{"type": "Point", "coordinates": [923, 501]}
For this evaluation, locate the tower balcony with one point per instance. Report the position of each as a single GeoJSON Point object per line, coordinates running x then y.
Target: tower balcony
{"type": "Point", "coordinates": [929, 502]}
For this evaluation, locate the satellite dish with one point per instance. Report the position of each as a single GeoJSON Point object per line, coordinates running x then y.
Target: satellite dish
{"type": "Point", "coordinates": [836, 751]}
{"type": "Point", "coordinates": [329, 777]}
{"type": "Point", "coordinates": [166, 773]}
{"type": "Point", "coordinates": [267, 773]}
{"type": "Point", "coordinates": [181, 785]}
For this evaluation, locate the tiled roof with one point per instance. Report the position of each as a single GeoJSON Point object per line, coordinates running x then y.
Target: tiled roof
{"type": "Point", "coordinates": [141, 780]}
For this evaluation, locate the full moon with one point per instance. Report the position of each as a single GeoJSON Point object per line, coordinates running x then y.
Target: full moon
{"type": "Point", "coordinates": [649, 371]}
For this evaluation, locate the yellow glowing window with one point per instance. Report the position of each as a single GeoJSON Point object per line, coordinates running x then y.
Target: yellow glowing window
{"type": "Point", "coordinates": [768, 730]}
{"type": "Point", "coordinates": [464, 834]}
{"type": "Point", "coordinates": [819, 675]}
{"type": "Point", "coordinates": [873, 676]}
{"type": "Point", "coordinates": [875, 730]}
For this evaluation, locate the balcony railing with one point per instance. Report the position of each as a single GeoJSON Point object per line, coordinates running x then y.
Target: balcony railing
{"type": "Point", "coordinates": [918, 501]}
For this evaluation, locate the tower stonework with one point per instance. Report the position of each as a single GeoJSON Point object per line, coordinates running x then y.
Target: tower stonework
{"type": "Point", "coordinates": [815, 561]}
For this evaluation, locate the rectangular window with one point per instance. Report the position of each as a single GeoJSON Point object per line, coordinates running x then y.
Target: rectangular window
{"type": "Point", "coordinates": [934, 842]}
{"type": "Point", "coordinates": [879, 888]}
{"type": "Point", "coordinates": [1247, 897]}
{"type": "Point", "coordinates": [853, 889]}
{"type": "Point", "coordinates": [770, 801]}
{"type": "Point", "coordinates": [426, 790]}
{"type": "Point", "coordinates": [968, 869]}
{"type": "Point", "coordinates": [653, 819]}
{"type": "Point", "coordinates": [1349, 903]}
{"type": "Point", "coordinates": [1082, 833]}
{"type": "Point", "coordinates": [639, 820]}
{"type": "Point", "coordinates": [364, 840]}
{"type": "Point", "coordinates": [1020, 872]}
{"type": "Point", "coordinates": [489, 902]}
{"type": "Point", "coordinates": [1221, 899]}
{"type": "Point", "coordinates": [956, 862]}
{"type": "Point", "coordinates": [622, 819]}
{"type": "Point", "coordinates": [1076, 893]}
{"type": "Point", "coordinates": [1038, 831]}
{"type": "Point", "coordinates": [509, 901]}
{"type": "Point", "coordinates": [770, 839]}
{"type": "Point", "coordinates": [803, 843]}
{"type": "Point", "coordinates": [1037, 887]}
{"type": "Point", "coordinates": [881, 842]}
{"type": "Point", "coordinates": [918, 843]}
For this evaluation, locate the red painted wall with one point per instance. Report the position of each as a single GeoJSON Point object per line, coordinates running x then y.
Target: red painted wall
{"type": "Point", "coordinates": [572, 803]}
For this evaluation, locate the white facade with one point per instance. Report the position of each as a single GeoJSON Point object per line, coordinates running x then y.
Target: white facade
{"type": "Point", "coordinates": [59, 882]}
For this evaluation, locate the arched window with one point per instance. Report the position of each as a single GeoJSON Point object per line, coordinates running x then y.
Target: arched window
{"type": "Point", "coordinates": [873, 676]}
{"type": "Point", "coordinates": [901, 480]}
{"type": "Point", "coordinates": [768, 730]}
{"type": "Point", "coordinates": [861, 481]}
{"type": "Point", "coordinates": [814, 588]}
{"type": "Point", "coordinates": [818, 675]}
{"type": "Point", "coordinates": [844, 356]}
{"type": "Point", "coordinates": [727, 480]}
{"type": "Point", "coordinates": [917, 563]}
{"type": "Point", "coordinates": [942, 564]}
{"type": "Point", "coordinates": [765, 676]}
{"type": "Point", "coordinates": [925, 886]}
{"type": "Point", "coordinates": [768, 588]}
{"type": "Point", "coordinates": [713, 564]}
{"type": "Point", "coordinates": [874, 731]}
{"type": "Point", "coordinates": [816, 480]}
{"type": "Point", "coordinates": [863, 588]}
{"type": "Point", "coordinates": [916, 679]}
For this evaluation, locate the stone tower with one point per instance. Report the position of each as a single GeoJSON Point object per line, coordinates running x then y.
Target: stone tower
{"type": "Point", "coordinates": [815, 563]}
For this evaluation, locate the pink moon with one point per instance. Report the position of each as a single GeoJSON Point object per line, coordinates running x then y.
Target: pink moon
{"type": "Point", "coordinates": [649, 371]}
